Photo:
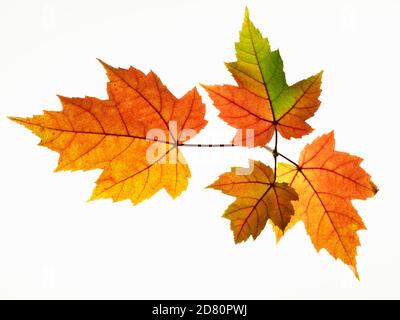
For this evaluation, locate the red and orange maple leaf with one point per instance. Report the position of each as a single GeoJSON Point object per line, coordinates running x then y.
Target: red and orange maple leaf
{"type": "Point", "coordinates": [263, 101]}
{"type": "Point", "coordinates": [326, 181]}
{"type": "Point", "coordinates": [113, 135]}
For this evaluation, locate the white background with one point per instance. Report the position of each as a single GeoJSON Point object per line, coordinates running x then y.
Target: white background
{"type": "Point", "coordinates": [54, 244]}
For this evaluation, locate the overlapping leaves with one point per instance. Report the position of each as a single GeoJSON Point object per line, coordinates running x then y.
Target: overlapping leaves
{"type": "Point", "coordinates": [320, 187]}
{"type": "Point", "coordinates": [114, 135]}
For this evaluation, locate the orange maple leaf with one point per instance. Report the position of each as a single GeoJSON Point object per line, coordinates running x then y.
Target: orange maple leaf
{"type": "Point", "coordinates": [326, 181]}
{"type": "Point", "coordinates": [258, 198]}
{"type": "Point", "coordinates": [263, 101]}
{"type": "Point", "coordinates": [113, 135]}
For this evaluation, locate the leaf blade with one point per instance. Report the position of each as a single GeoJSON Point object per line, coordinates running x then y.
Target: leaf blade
{"type": "Point", "coordinates": [259, 71]}
{"type": "Point", "coordinates": [258, 199]}
{"type": "Point", "coordinates": [326, 181]}
{"type": "Point", "coordinates": [113, 135]}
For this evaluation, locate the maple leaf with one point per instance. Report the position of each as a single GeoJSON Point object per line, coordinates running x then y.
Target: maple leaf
{"type": "Point", "coordinates": [264, 101]}
{"type": "Point", "coordinates": [112, 135]}
{"type": "Point", "coordinates": [258, 198]}
{"type": "Point", "coordinates": [326, 181]}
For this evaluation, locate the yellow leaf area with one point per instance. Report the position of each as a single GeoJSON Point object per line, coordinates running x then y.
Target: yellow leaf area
{"type": "Point", "coordinates": [326, 181]}
{"type": "Point", "coordinates": [258, 199]}
{"type": "Point", "coordinates": [113, 135]}
{"type": "Point", "coordinates": [263, 101]}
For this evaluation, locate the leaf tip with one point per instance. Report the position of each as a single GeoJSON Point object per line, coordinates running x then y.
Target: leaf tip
{"type": "Point", "coordinates": [19, 120]}
{"type": "Point", "coordinates": [237, 239]}
{"type": "Point", "coordinates": [61, 98]}
{"type": "Point", "coordinates": [206, 87]}
{"type": "Point", "coordinates": [195, 93]}
{"type": "Point", "coordinates": [329, 135]}
{"type": "Point", "coordinates": [374, 187]}
{"type": "Point", "coordinates": [105, 65]}
{"type": "Point", "coordinates": [246, 12]}
{"type": "Point", "coordinates": [355, 272]}
{"type": "Point", "coordinates": [101, 61]}
{"type": "Point", "coordinates": [277, 231]}
{"type": "Point", "coordinates": [15, 119]}
{"type": "Point", "coordinates": [212, 185]}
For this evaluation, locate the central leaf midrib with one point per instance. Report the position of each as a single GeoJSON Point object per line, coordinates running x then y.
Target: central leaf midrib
{"type": "Point", "coordinates": [253, 209]}
{"type": "Point", "coordinates": [261, 71]}
{"type": "Point", "coordinates": [95, 133]}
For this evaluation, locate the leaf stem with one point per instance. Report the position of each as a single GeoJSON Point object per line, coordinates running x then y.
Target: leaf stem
{"type": "Point", "coordinates": [205, 145]}
{"type": "Point", "coordinates": [275, 153]}
{"type": "Point", "coordinates": [289, 160]}
{"type": "Point", "coordinates": [222, 145]}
